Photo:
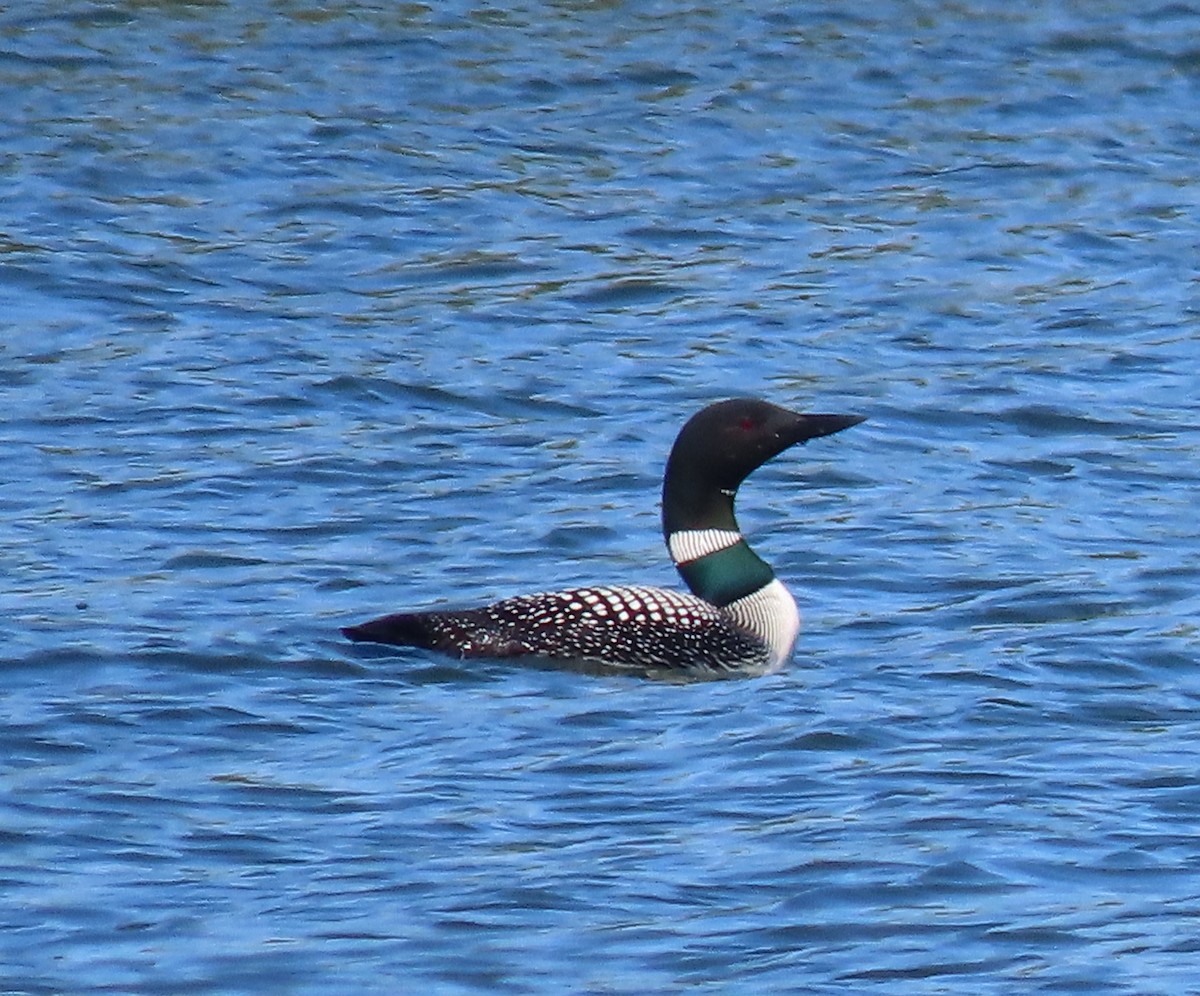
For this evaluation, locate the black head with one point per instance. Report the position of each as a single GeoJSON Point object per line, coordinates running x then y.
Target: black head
{"type": "Point", "coordinates": [721, 445]}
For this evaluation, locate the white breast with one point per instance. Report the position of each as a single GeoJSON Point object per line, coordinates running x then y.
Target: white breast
{"type": "Point", "coordinates": [770, 614]}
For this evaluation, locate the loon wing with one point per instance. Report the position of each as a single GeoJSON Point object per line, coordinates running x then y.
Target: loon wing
{"type": "Point", "coordinates": [627, 626]}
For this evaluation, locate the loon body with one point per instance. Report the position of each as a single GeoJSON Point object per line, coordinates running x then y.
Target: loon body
{"type": "Point", "coordinates": [739, 618]}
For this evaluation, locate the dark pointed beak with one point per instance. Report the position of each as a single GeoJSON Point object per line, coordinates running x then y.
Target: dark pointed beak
{"type": "Point", "coordinates": [814, 426]}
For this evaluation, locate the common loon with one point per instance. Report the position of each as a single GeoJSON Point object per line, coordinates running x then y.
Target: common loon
{"type": "Point", "coordinates": [739, 619]}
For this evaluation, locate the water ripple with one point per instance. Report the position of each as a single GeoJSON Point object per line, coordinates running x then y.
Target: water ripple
{"type": "Point", "coordinates": [412, 319]}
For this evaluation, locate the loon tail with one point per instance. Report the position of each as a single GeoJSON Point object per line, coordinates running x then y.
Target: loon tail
{"type": "Point", "coordinates": [402, 629]}
{"type": "Point", "coordinates": [464, 633]}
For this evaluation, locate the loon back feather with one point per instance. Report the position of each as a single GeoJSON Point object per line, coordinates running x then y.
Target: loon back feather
{"type": "Point", "coordinates": [624, 626]}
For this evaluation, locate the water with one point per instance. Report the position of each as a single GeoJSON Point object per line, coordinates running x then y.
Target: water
{"type": "Point", "coordinates": [312, 312]}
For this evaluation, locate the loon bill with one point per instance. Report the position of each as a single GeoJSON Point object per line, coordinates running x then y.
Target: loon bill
{"type": "Point", "coordinates": [739, 618]}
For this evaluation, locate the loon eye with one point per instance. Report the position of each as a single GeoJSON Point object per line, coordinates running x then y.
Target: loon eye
{"type": "Point", "coordinates": [746, 424]}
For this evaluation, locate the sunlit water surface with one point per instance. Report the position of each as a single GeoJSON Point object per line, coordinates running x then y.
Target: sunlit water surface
{"type": "Point", "coordinates": [316, 311]}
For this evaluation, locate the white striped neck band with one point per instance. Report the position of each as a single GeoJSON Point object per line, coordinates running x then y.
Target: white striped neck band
{"type": "Point", "coordinates": [692, 544]}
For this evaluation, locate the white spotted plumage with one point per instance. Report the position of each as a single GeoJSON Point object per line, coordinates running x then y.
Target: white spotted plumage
{"type": "Point", "coordinates": [620, 626]}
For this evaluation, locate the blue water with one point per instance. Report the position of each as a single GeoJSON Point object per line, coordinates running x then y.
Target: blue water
{"type": "Point", "coordinates": [310, 312]}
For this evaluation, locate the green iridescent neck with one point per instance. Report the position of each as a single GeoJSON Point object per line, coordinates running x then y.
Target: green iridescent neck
{"type": "Point", "coordinates": [726, 575]}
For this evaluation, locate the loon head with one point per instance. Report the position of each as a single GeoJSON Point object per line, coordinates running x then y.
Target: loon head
{"type": "Point", "coordinates": [715, 451]}
{"type": "Point", "coordinates": [720, 446]}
